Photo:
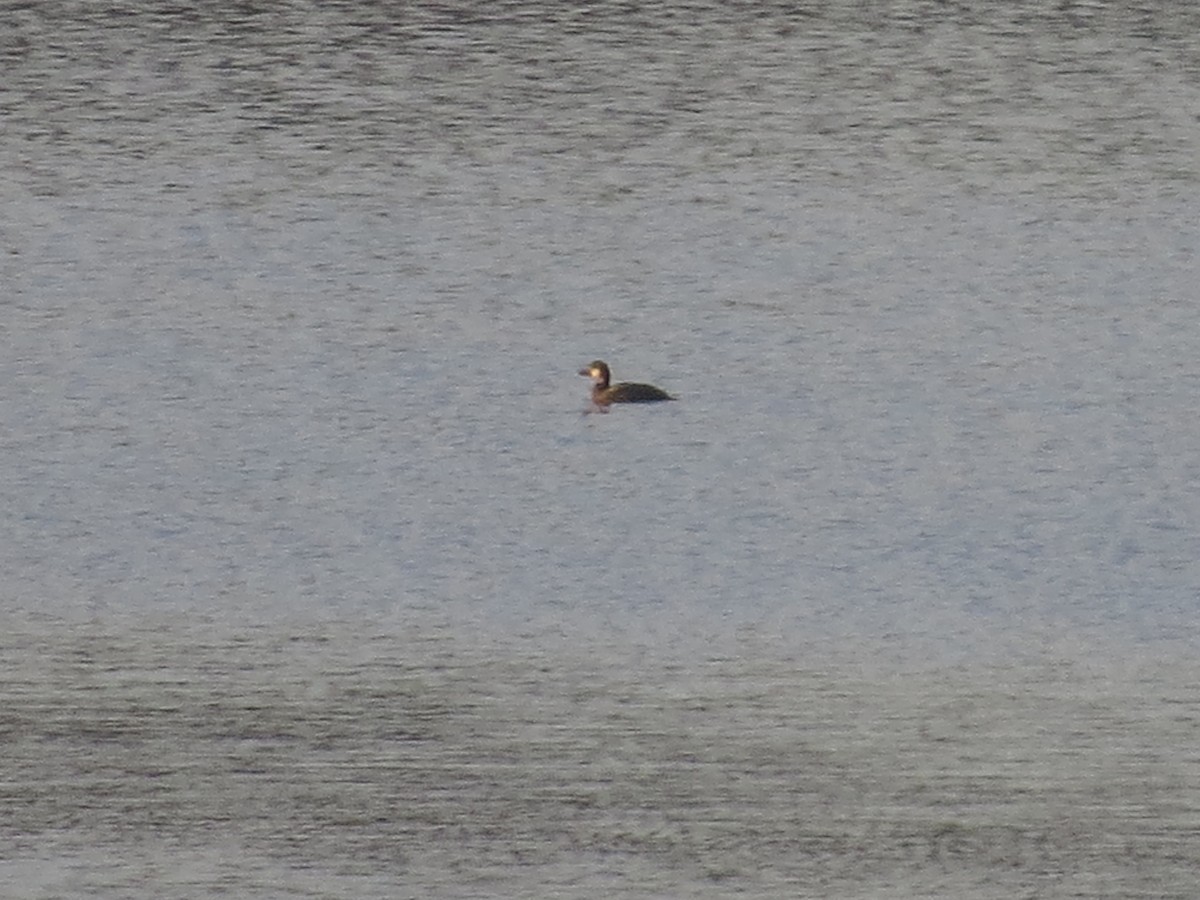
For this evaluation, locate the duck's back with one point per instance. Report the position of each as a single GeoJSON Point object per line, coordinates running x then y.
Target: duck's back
{"type": "Point", "coordinates": [631, 392]}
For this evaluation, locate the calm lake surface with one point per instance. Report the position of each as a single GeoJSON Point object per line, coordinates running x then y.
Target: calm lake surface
{"type": "Point", "coordinates": [321, 579]}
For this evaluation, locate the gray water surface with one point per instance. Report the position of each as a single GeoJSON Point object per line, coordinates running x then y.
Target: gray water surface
{"type": "Point", "coordinates": [338, 761]}
{"type": "Point", "coordinates": [320, 577]}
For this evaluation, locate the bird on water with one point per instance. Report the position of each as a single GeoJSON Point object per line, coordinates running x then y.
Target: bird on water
{"type": "Point", "coordinates": [604, 393]}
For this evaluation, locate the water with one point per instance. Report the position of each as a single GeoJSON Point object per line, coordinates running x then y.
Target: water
{"type": "Point", "coordinates": [319, 579]}
{"type": "Point", "coordinates": [345, 761]}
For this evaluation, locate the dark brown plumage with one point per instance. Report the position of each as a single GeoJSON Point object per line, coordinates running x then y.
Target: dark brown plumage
{"type": "Point", "coordinates": [604, 393]}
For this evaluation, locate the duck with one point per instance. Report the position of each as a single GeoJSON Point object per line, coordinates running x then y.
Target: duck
{"type": "Point", "coordinates": [605, 393]}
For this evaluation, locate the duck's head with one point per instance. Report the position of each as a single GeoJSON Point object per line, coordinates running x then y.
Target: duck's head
{"type": "Point", "coordinates": [597, 370]}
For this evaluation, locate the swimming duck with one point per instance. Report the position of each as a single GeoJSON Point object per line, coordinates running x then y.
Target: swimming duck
{"type": "Point", "coordinates": [625, 392]}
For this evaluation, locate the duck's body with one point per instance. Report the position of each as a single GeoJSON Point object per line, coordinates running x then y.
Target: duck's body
{"type": "Point", "coordinates": [604, 393]}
